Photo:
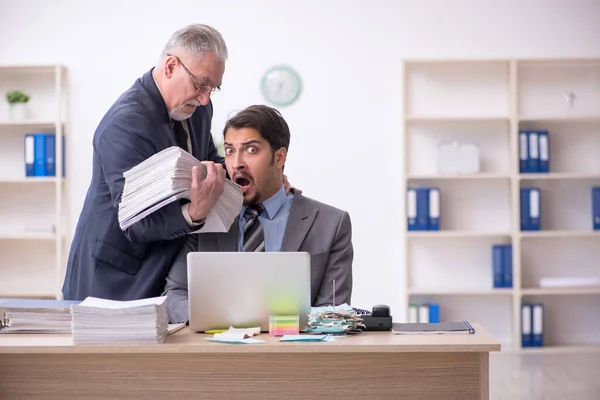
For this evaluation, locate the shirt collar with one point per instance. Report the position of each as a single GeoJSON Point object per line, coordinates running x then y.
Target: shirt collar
{"type": "Point", "coordinates": [161, 94]}
{"type": "Point", "coordinates": [272, 204]}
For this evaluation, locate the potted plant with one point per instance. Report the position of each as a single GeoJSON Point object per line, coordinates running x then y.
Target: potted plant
{"type": "Point", "coordinates": [17, 101]}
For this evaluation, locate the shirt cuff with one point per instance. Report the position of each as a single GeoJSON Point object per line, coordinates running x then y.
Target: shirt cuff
{"type": "Point", "coordinates": [186, 214]}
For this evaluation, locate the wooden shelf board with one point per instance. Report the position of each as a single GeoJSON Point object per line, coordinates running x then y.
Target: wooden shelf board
{"type": "Point", "coordinates": [27, 236]}
{"type": "Point", "coordinates": [476, 176]}
{"type": "Point", "coordinates": [29, 124]}
{"type": "Point", "coordinates": [562, 291]}
{"type": "Point", "coordinates": [32, 179]}
{"type": "Point", "coordinates": [466, 118]}
{"type": "Point", "coordinates": [569, 118]}
{"type": "Point", "coordinates": [455, 234]}
{"type": "Point", "coordinates": [562, 349]}
{"type": "Point", "coordinates": [462, 292]}
{"type": "Point", "coordinates": [558, 234]}
{"type": "Point", "coordinates": [560, 175]}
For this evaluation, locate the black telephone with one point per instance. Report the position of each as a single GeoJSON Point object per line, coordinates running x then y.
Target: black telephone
{"type": "Point", "coordinates": [378, 320]}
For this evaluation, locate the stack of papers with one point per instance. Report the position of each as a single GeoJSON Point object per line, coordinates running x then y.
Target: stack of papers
{"type": "Point", "coordinates": [334, 320]}
{"type": "Point", "coordinates": [100, 321]}
{"type": "Point", "coordinates": [166, 177]}
{"type": "Point", "coordinates": [35, 316]}
{"type": "Point", "coordinates": [237, 335]}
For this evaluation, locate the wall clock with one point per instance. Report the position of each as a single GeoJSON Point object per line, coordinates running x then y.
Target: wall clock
{"type": "Point", "coordinates": [281, 85]}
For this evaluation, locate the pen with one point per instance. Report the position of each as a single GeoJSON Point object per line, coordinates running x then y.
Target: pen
{"type": "Point", "coordinates": [215, 331]}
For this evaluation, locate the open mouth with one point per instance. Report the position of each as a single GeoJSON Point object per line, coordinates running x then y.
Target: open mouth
{"type": "Point", "coordinates": [243, 182]}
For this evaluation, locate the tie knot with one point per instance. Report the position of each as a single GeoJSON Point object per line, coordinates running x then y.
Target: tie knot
{"type": "Point", "coordinates": [253, 211]}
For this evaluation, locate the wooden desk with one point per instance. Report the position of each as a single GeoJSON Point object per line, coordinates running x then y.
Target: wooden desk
{"type": "Point", "coordinates": [370, 365]}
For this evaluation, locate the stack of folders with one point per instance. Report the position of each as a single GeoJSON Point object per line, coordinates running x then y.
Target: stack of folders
{"type": "Point", "coordinates": [534, 151]}
{"type": "Point", "coordinates": [40, 154]}
{"type": "Point", "coordinates": [530, 200]}
{"type": "Point", "coordinates": [432, 328]}
{"type": "Point", "coordinates": [423, 208]}
{"type": "Point", "coordinates": [532, 325]}
{"type": "Point", "coordinates": [100, 321]}
{"type": "Point", "coordinates": [424, 313]}
{"type": "Point", "coordinates": [166, 177]}
{"type": "Point", "coordinates": [35, 316]}
{"type": "Point", "coordinates": [502, 266]}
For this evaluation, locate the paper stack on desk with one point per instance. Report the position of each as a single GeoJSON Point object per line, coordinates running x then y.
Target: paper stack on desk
{"type": "Point", "coordinates": [334, 320]}
{"type": "Point", "coordinates": [100, 321]}
{"type": "Point", "coordinates": [35, 316]}
{"type": "Point", "coordinates": [167, 177]}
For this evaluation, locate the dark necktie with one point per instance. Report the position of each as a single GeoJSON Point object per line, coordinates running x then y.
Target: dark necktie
{"type": "Point", "coordinates": [254, 239]}
{"type": "Point", "coordinates": [180, 135]}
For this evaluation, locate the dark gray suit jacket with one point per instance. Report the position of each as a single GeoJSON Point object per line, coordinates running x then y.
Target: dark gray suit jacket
{"type": "Point", "coordinates": [124, 265]}
{"type": "Point", "coordinates": [319, 229]}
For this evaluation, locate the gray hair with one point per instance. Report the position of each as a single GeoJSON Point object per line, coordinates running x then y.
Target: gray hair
{"type": "Point", "coordinates": [197, 39]}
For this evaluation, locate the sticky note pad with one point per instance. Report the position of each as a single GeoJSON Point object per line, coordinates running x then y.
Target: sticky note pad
{"type": "Point", "coordinates": [280, 325]}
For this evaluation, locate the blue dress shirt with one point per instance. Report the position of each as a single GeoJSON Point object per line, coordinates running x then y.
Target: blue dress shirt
{"type": "Point", "coordinates": [273, 220]}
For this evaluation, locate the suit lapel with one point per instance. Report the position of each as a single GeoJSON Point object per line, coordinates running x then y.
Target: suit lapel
{"type": "Point", "coordinates": [301, 218]}
{"type": "Point", "coordinates": [228, 241]}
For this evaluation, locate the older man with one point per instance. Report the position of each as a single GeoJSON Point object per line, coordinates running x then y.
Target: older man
{"type": "Point", "coordinates": [169, 105]}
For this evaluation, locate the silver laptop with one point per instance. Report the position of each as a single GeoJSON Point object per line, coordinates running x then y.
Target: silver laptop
{"type": "Point", "coordinates": [242, 289]}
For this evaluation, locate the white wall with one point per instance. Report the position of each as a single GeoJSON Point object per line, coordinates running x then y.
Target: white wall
{"type": "Point", "coordinates": [346, 131]}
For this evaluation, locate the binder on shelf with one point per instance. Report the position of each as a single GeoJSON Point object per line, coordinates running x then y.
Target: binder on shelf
{"type": "Point", "coordinates": [422, 209]}
{"type": "Point", "coordinates": [502, 265]}
{"type": "Point", "coordinates": [537, 325]}
{"type": "Point", "coordinates": [50, 155]}
{"type": "Point", "coordinates": [530, 199]}
{"type": "Point", "coordinates": [596, 208]}
{"type": "Point", "coordinates": [434, 313]}
{"type": "Point", "coordinates": [411, 208]}
{"type": "Point", "coordinates": [497, 265]}
{"type": "Point", "coordinates": [29, 154]}
{"type": "Point", "coordinates": [434, 209]}
{"type": "Point", "coordinates": [39, 151]}
{"type": "Point", "coordinates": [534, 152]}
{"type": "Point", "coordinates": [413, 313]}
{"type": "Point", "coordinates": [424, 313]}
{"type": "Point", "coordinates": [523, 152]}
{"type": "Point", "coordinates": [524, 206]}
{"type": "Point", "coordinates": [507, 266]}
{"type": "Point", "coordinates": [544, 150]}
{"type": "Point", "coordinates": [526, 325]}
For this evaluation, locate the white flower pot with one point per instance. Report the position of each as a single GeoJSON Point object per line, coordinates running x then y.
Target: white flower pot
{"type": "Point", "coordinates": [18, 111]}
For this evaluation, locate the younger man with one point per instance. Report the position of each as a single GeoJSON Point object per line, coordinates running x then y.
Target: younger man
{"type": "Point", "coordinates": [256, 145]}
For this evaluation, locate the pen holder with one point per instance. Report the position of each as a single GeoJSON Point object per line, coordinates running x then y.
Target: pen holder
{"type": "Point", "coordinates": [280, 325]}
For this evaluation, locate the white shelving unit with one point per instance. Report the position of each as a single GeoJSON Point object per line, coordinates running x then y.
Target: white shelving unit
{"type": "Point", "coordinates": [486, 102]}
{"type": "Point", "coordinates": [33, 210]}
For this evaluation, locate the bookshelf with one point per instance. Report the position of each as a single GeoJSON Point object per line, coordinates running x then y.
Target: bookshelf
{"type": "Point", "coordinates": [487, 103]}
{"type": "Point", "coordinates": [33, 209]}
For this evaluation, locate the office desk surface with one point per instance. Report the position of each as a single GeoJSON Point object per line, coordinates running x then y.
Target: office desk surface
{"type": "Point", "coordinates": [186, 341]}
{"type": "Point", "coordinates": [369, 365]}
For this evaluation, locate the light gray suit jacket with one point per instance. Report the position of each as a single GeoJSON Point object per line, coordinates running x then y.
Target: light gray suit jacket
{"type": "Point", "coordinates": [323, 231]}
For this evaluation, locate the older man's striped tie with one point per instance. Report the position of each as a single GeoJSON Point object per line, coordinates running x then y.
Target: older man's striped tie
{"type": "Point", "coordinates": [254, 239]}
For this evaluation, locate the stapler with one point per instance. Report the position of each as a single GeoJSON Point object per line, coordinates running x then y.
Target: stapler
{"type": "Point", "coordinates": [379, 320]}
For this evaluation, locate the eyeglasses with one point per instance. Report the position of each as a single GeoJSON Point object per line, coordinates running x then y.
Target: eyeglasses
{"type": "Point", "coordinates": [200, 88]}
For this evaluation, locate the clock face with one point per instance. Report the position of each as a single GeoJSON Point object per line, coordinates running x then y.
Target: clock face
{"type": "Point", "coordinates": [281, 85]}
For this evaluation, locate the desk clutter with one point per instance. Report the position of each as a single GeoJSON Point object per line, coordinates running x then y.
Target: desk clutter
{"type": "Point", "coordinates": [91, 321]}
{"type": "Point", "coordinates": [35, 316]}
{"type": "Point", "coordinates": [100, 321]}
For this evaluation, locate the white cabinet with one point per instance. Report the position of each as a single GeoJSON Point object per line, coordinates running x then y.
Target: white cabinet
{"type": "Point", "coordinates": [33, 209]}
{"type": "Point", "coordinates": [486, 103]}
